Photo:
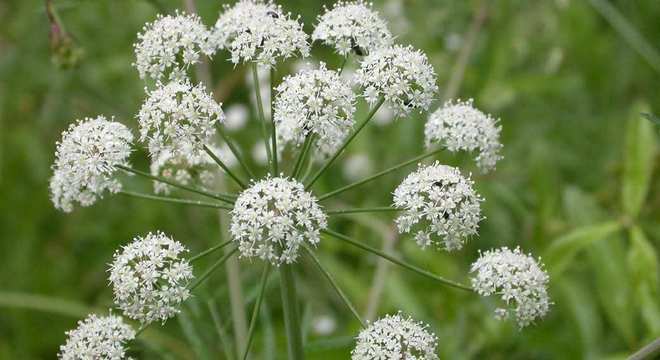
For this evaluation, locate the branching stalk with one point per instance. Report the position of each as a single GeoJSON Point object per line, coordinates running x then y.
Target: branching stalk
{"type": "Point", "coordinates": [335, 286]}
{"type": "Point", "coordinates": [255, 312]}
{"type": "Point", "coordinates": [211, 269]}
{"type": "Point", "coordinates": [260, 110]}
{"type": "Point", "coordinates": [237, 154]}
{"type": "Point", "coordinates": [224, 167]}
{"type": "Point", "coordinates": [222, 197]}
{"type": "Point", "coordinates": [376, 176]}
{"type": "Point", "coordinates": [363, 210]}
{"type": "Point", "coordinates": [175, 200]}
{"type": "Point", "coordinates": [302, 155]}
{"type": "Point", "coordinates": [291, 317]}
{"type": "Point", "coordinates": [209, 251]}
{"type": "Point", "coordinates": [396, 261]}
{"type": "Point", "coordinates": [346, 143]}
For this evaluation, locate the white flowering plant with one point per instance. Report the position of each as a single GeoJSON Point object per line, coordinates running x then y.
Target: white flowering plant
{"type": "Point", "coordinates": [275, 216]}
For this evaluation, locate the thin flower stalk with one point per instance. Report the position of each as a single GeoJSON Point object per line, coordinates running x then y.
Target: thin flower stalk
{"type": "Point", "coordinates": [291, 317]}
{"type": "Point", "coordinates": [237, 154]}
{"type": "Point", "coordinates": [302, 155]}
{"type": "Point", "coordinates": [257, 308]}
{"type": "Point", "coordinates": [228, 198]}
{"type": "Point", "coordinates": [209, 251]}
{"type": "Point", "coordinates": [396, 261]}
{"type": "Point", "coordinates": [174, 200]}
{"type": "Point", "coordinates": [377, 175]}
{"type": "Point", "coordinates": [335, 286]}
{"type": "Point", "coordinates": [211, 269]}
{"type": "Point", "coordinates": [363, 210]}
{"type": "Point", "coordinates": [346, 143]}
{"type": "Point", "coordinates": [224, 167]}
{"type": "Point", "coordinates": [262, 117]}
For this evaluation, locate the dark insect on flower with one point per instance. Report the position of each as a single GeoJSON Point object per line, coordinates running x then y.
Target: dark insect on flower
{"type": "Point", "coordinates": [359, 51]}
{"type": "Point", "coordinates": [408, 103]}
{"type": "Point", "coordinates": [273, 14]}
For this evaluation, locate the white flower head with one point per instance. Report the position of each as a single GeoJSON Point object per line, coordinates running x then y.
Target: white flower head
{"type": "Point", "coordinates": [149, 278]}
{"type": "Point", "coordinates": [168, 46]}
{"type": "Point", "coordinates": [519, 280]}
{"type": "Point", "coordinates": [399, 74]}
{"type": "Point", "coordinates": [97, 337]}
{"type": "Point", "coordinates": [179, 118]}
{"type": "Point", "coordinates": [439, 206]}
{"type": "Point", "coordinates": [352, 26]}
{"type": "Point", "coordinates": [273, 218]}
{"type": "Point", "coordinates": [314, 102]}
{"type": "Point", "coordinates": [85, 161]}
{"type": "Point", "coordinates": [458, 125]}
{"type": "Point", "coordinates": [259, 31]}
{"type": "Point", "coordinates": [395, 337]}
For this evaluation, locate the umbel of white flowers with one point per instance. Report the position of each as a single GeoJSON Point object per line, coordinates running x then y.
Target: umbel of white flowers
{"type": "Point", "coordinates": [97, 337]}
{"type": "Point", "coordinates": [352, 26]}
{"type": "Point", "coordinates": [259, 31]}
{"type": "Point", "coordinates": [439, 206]}
{"type": "Point", "coordinates": [168, 46]}
{"type": "Point", "coordinates": [85, 161]}
{"type": "Point", "coordinates": [178, 119]}
{"type": "Point", "coordinates": [399, 74]}
{"type": "Point", "coordinates": [518, 279]}
{"type": "Point", "coordinates": [273, 218]}
{"type": "Point", "coordinates": [149, 278]}
{"type": "Point", "coordinates": [314, 102]}
{"type": "Point", "coordinates": [395, 337]}
{"type": "Point", "coordinates": [460, 126]}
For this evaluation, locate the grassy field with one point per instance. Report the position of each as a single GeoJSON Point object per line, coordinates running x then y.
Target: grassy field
{"type": "Point", "coordinates": [569, 80]}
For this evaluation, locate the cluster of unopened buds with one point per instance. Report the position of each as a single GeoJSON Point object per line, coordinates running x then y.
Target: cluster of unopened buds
{"type": "Point", "coordinates": [276, 218]}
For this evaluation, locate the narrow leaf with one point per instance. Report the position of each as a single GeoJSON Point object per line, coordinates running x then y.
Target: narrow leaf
{"type": "Point", "coordinates": [640, 149]}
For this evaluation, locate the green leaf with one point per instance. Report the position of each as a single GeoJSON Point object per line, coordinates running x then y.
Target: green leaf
{"type": "Point", "coordinates": [640, 149]}
{"type": "Point", "coordinates": [643, 266]}
{"type": "Point", "coordinates": [652, 118]}
{"type": "Point", "coordinates": [560, 253]}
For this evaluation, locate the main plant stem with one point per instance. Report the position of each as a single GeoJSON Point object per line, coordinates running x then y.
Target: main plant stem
{"type": "Point", "coordinates": [291, 318]}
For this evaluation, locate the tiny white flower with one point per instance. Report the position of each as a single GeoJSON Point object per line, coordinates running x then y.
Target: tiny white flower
{"type": "Point", "coordinates": [167, 47]}
{"type": "Point", "coordinates": [179, 118]}
{"type": "Point", "coordinates": [395, 337]}
{"type": "Point", "coordinates": [85, 161]}
{"type": "Point", "coordinates": [518, 279]}
{"type": "Point", "coordinates": [259, 31]}
{"type": "Point", "coordinates": [458, 125]}
{"type": "Point", "coordinates": [274, 217]}
{"type": "Point", "coordinates": [97, 337]}
{"type": "Point", "coordinates": [314, 102]}
{"type": "Point", "coordinates": [352, 26]}
{"type": "Point", "coordinates": [439, 206]}
{"type": "Point", "coordinates": [149, 278]}
{"type": "Point", "coordinates": [401, 75]}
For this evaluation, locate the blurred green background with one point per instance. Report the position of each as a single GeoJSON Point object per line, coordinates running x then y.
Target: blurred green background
{"type": "Point", "coordinates": [568, 78]}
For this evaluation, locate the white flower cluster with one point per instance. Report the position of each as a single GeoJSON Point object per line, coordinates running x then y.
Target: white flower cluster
{"type": "Point", "coordinates": [259, 31]}
{"type": "Point", "coordinates": [314, 102]}
{"type": "Point", "coordinates": [399, 74]}
{"type": "Point", "coordinates": [460, 126]}
{"type": "Point", "coordinates": [85, 161]}
{"type": "Point", "coordinates": [149, 278]}
{"type": "Point", "coordinates": [179, 118]}
{"type": "Point", "coordinates": [274, 217]}
{"type": "Point", "coordinates": [438, 201]}
{"type": "Point", "coordinates": [517, 278]}
{"type": "Point", "coordinates": [98, 338]}
{"type": "Point", "coordinates": [352, 26]}
{"type": "Point", "coordinates": [169, 45]}
{"type": "Point", "coordinates": [395, 337]}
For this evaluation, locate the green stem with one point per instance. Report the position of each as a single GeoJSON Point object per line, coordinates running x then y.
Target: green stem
{"type": "Point", "coordinates": [334, 284]}
{"type": "Point", "coordinates": [396, 261]}
{"type": "Point", "coordinates": [175, 200]}
{"type": "Point", "coordinates": [291, 318]}
{"type": "Point", "coordinates": [376, 176]}
{"type": "Point", "coordinates": [362, 210]}
{"type": "Point", "coordinates": [255, 312]}
{"type": "Point", "coordinates": [343, 64]}
{"type": "Point", "coordinates": [260, 110]}
{"type": "Point", "coordinates": [213, 267]}
{"type": "Point", "coordinates": [345, 144]}
{"type": "Point", "coordinates": [222, 197]}
{"type": "Point", "coordinates": [273, 135]}
{"type": "Point", "coordinates": [302, 155]}
{"type": "Point", "coordinates": [224, 167]}
{"type": "Point", "coordinates": [236, 152]}
{"type": "Point", "coordinates": [209, 251]}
